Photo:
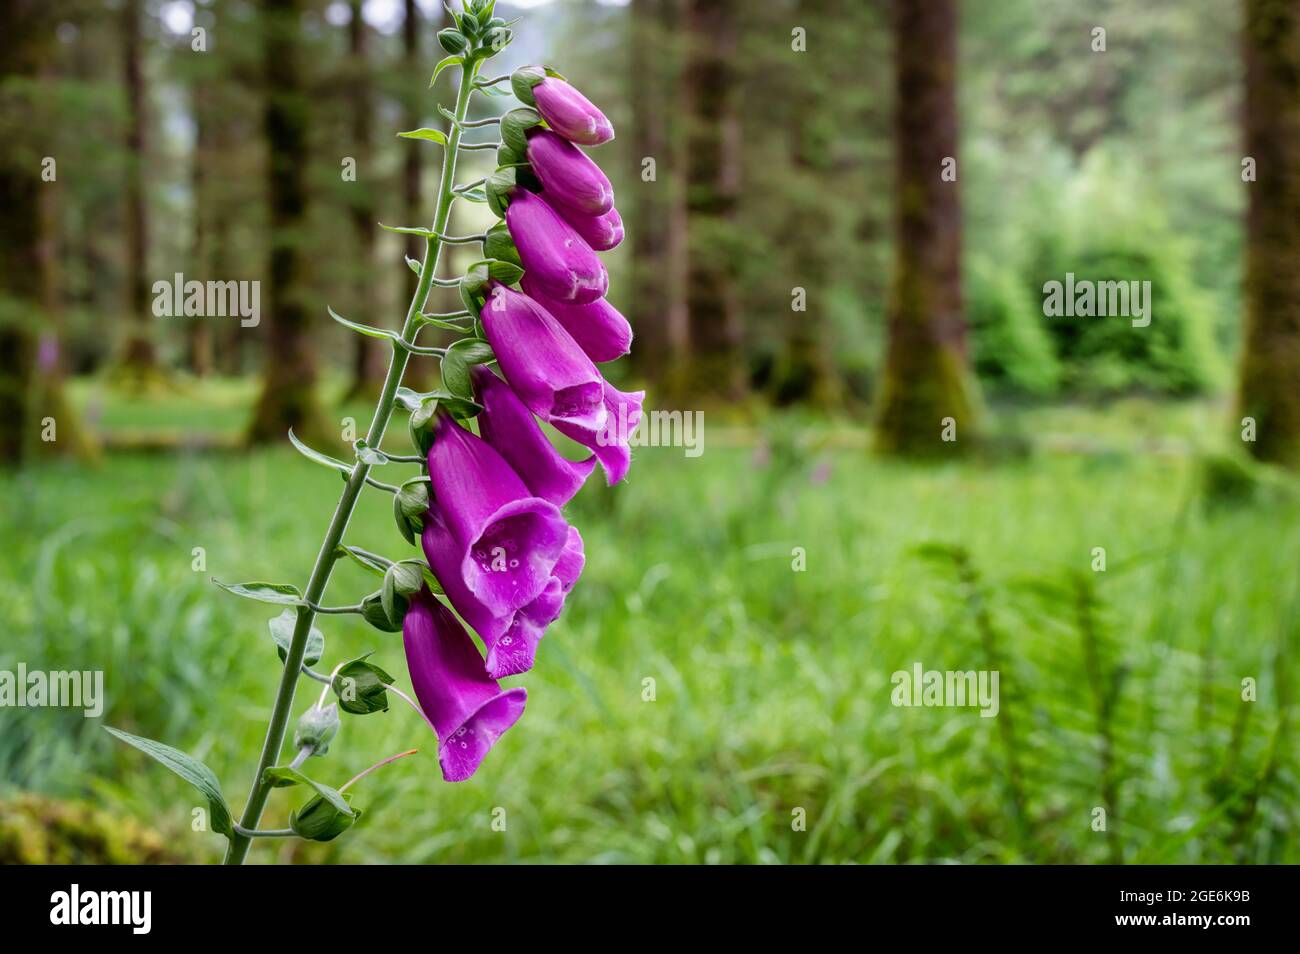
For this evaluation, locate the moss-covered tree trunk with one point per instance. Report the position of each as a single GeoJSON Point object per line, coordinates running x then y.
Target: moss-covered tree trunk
{"type": "Point", "coordinates": [35, 415]}
{"type": "Point", "coordinates": [1270, 364]}
{"type": "Point", "coordinates": [926, 380]}
{"type": "Point", "coordinates": [716, 366]}
{"type": "Point", "coordinates": [288, 398]}
{"type": "Point", "coordinates": [139, 359]}
{"type": "Point", "coordinates": [369, 356]}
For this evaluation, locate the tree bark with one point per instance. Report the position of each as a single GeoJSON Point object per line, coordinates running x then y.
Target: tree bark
{"type": "Point", "coordinates": [288, 398]}
{"type": "Point", "coordinates": [139, 357]}
{"type": "Point", "coordinates": [716, 367]}
{"type": "Point", "coordinates": [369, 357]}
{"type": "Point", "coordinates": [1270, 364]}
{"type": "Point", "coordinates": [926, 379]}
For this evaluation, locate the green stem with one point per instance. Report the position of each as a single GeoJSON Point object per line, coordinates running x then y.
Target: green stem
{"type": "Point", "coordinates": [328, 554]}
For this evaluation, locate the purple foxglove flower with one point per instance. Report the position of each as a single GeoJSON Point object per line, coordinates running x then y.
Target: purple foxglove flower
{"type": "Point", "coordinates": [511, 639]}
{"type": "Point", "coordinates": [466, 707]}
{"type": "Point", "coordinates": [598, 327]}
{"type": "Point", "coordinates": [600, 232]}
{"type": "Point", "coordinates": [549, 247]}
{"type": "Point", "coordinates": [508, 426]}
{"type": "Point", "coordinates": [570, 113]}
{"type": "Point", "coordinates": [610, 442]}
{"type": "Point", "coordinates": [507, 540]}
{"type": "Point", "coordinates": [544, 365]}
{"type": "Point", "coordinates": [569, 177]}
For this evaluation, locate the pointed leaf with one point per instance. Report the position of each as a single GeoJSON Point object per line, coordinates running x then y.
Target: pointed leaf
{"type": "Point", "coordinates": [188, 768]}
{"type": "Point", "coordinates": [282, 776]}
{"type": "Point", "coordinates": [282, 627]}
{"type": "Point", "coordinates": [432, 135]}
{"type": "Point", "coordinates": [363, 329]}
{"type": "Point", "coordinates": [281, 593]}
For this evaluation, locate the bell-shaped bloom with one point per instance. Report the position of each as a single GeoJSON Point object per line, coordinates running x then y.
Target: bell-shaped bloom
{"type": "Point", "coordinates": [507, 540]}
{"type": "Point", "coordinates": [568, 175]}
{"type": "Point", "coordinates": [600, 232]}
{"type": "Point", "coordinates": [465, 706]}
{"type": "Point", "coordinates": [570, 113]}
{"type": "Point", "coordinates": [509, 427]}
{"type": "Point", "coordinates": [546, 368]}
{"type": "Point", "coordinates": [553, 251]}
{"type": "Point", "coordinates": [599, 328]}
{"type": "Point", "coordinates": [610, 442]}
{"type": "Point", "coordinates": [510, 639]}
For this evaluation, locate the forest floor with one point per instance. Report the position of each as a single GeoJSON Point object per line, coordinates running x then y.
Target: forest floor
{"type": "Point", "coordinates": [719, 686]}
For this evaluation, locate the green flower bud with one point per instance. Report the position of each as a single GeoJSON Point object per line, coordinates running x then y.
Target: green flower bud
{"type": "Point", "coordinates": [318, 820]}
{"type": "Point", "coordinates": [523, 80]}
{"type": "Point", "coordinates": [372, 611]}
{"type": "Point", "coordinates": [410, 504]}
{"type": "Point", "coordinates": [452, 40]}
{"type": "Point", "coordinates": [316, 728]}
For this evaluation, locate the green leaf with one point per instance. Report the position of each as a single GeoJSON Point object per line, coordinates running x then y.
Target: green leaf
{"type": "Point", "coordinates": [188, 768]}
{"type": "Point", "coordinates": [281, 593]}
{"type": "Point", "coordinates": [432, 135]}
{"type": "Point", "coordinates": [443, 324]}
{"type": "Point", "coordinates": [455, 374]}
{"type": "Point", "coordinates": [475, 194]}
{"type": "Point", "coordinates": [364, 329]}
{"type": "Point", "coordinates": [370, 455]}
{"type": "Point", "coordinates": [282, 776]}
{"type": "Point", "coordinates": [317, 456]}
{"type": "Point", "coordinates": [362, 687]}
{"type": "Point", "coordinates": [443, 64]}
{"type": "Point", "coordinates": [282, 627]}
{"type": "Point", "coordinates": [318, 820]}
{"type": "Point", "coordinates": [363, 560]}
{"type": "Point", "coordinates": [403, 230]}
{"type": "Point", "coordinates": [413, 265]}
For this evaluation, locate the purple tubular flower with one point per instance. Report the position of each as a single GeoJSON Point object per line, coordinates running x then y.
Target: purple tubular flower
{"type": "Point", "coordinates": [568, 175]}
{"type": "Point", "coordinates": [549, 247]}
{"type": "Point", "coordinates": [570, 113]}
{"type": "Point", "coordinates": [509, 427]}
{"type": "Point", "coordinates": [544, 365]}
{"type": "Point", "coordinates": [610, 442]}
{"type": "Point", "coordinates": [511, 639]}
{"type": "Point", "coordinates": [465, 706]}
{"type": "Point", "coordinates": [600, 232]}
{"type": "Point", "coordinates": [507, 540]}
{"type": "Point", "coordinates": [598, 327]}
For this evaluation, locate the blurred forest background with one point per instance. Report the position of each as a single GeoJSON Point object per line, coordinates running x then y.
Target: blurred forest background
{"type": "Point", "coordinates": [796, 267]}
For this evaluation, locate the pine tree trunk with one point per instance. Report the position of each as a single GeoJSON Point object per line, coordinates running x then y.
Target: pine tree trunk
{"type": "Point", "coordinates": [657, 306]}
{"type": "Point", "coordinates": [33, 406]}
{"type": "Point", "coordinates": [369, 357]}
{"type": "Point", "coordinates": [200, 332]}
{"type": "Point", "coordinates": [288, 398]}
{"type": "Point", "coordinates": [1270, 364]}
{"type": "Point", "coordinates": [926, 379]}
{"type": "Point", "coordinates": [139, 362]}
{"type": "Point", "coordinates": [804, 371]}
{"type": "Point", "coordinates": [716, 365]}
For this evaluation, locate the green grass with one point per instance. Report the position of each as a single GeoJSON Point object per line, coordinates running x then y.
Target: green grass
{"type": "Point", "coordinates": [771, 686]}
